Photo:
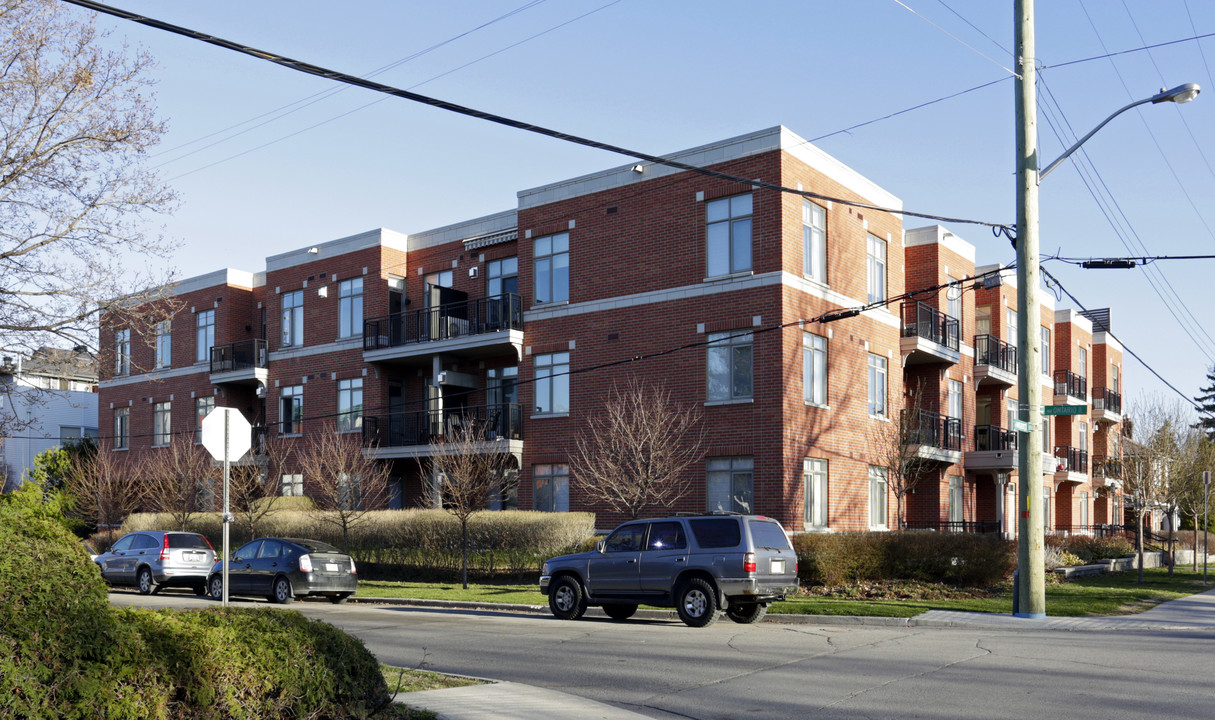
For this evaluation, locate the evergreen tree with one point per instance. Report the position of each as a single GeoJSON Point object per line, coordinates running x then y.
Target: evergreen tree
{"type": "Point", "coordinates": [1206, 403]}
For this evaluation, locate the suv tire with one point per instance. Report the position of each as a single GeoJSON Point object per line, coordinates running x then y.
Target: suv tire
{"type": "Point", "coordinates": [746, 613]}
{"type": "Point", "coordinates": [696, 602]}
{"type": "Point", "coordinates": [619, 611]}
{"type": "Point", "coordinates": [566, 599]}
{"type": "Point", "coordinates": [144, 581]}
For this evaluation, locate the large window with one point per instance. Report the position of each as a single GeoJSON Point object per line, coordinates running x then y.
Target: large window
{"type": "Point", "coordinates": [350, 405]}
{"type": "Point", "coordinates": [877, 497]}
{"type": "Point", "coordinates": [1082, 358]}
{"type": "Point", "coordinates": [350, 308]}
{"type": "Point", "coordinates": [728, 223]}
{"type": "Point", "coordinates": [1084, 510]}
{"type": "Point", "coordinates": [161, 431]}
{"type": "Point", "coordinates": [876, 250]}
{"type": "Point", "coordinates": [1082, 436]}
{"type": "Point", "coordinates": [293, 485]}
{"type": "Point", "coordinates": [164, 345]}
{"type": "Point", "coordinates": [877, 386]}
{"type": "Point", "coordinates": [953, 297]}
{"type": "Point", "coordinates": [814, 241]}
{"type": "Point", "coordinates": [814, 480]}
{"type": "Point", "coordinates": [204, 335]}
{"type": "Point", "coordinates": [955, 399]}
{"type": "Point", "coordinates": [1045, 349]}
{"type": "Point", "coordinates": [814, 369]}
{"type": "Point", "coordinates": [1046, 508]}
{"type": "Point", "coordinates": [1114, 377]}
{"type": "Point", "coordinates": [503, 276]}
{"type": "Point", "coordinates": [957, 500]}
{"type": "Point", "coordinates": [1010, 331]}
{"type": "Point", "coordinates": [730, 484]}
{"type": "Point", "coordinates": [551, 487]}
{"type": "Point", "coordinates": [552, 262]}
{"type": "Point", "coordinates": [552, 383]}
{"type": "Point", "coordinates": [729, 367]}
{"type": "Point", "coordinates": [293, 318]}
{"type": "Point", "coordinates": [202, 407]}
{"type": "Point", "coordinates": [122, 428]}
{"type": "Point", "coordinates": [291, 410]}
{"type": "Point", "coordinates": [122, 352]}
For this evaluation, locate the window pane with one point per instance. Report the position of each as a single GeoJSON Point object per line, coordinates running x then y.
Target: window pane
{"type": "Point", "coordinates": [718, 372]}
{"type": "Point", "coordinates": [740, 205]}
{"type": "Point", "coordinates": [544, 280]}
{"type": "Point", "coordinates": [718, 250]}
{"type": "Point", "coordinates": [742, 246]}
{"type": "Point", "coordinates": [561, 277]}
{"type": "Point", "coordinates": [717, 209]}
{"type": "Point", "coordinates": [544, 246]}
{"type": "Point", "coordinates": [742, 371]}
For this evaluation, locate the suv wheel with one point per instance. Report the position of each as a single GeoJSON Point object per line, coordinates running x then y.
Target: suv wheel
{"type": "Point", "coordinates": [696, 602]}
{"type": "Point", "coordinates": [619, 611]}
{"type": "Point", "coordinates": [145, 582]}
{"type": "Point", "coordinates": [566, 599]}
{"type": "Point", "coordinates": [746, 613]}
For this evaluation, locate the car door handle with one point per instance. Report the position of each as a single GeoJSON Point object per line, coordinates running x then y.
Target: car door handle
{"type": "Point", "coordinates": [632, 561]}
{"type": "Point", "coordinates": [248, 565]}
{"type": "Point", "coordinates": [680, 559]}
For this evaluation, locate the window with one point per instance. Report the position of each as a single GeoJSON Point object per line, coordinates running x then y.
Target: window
{"type": "Point", "coordinates": [1010, 332]}
{"type": "Point", "coordinates": [1010, 406]}
{"type": "Point", "coordinates": [350, 308]}
{"type": "Point", "coordinates": [956, 500]}
{"type": "Point", "coordinates": [729, 484]}
{"type": "Point", "coordinates": [293, 485]}
{"type": "Point", "coordinates": [293, 318]}
{"type": "Point", "coordinates": [350, 492]}
{"type": "Point", "coordinates": [161, 413]}
{"type": "Point", "coordinates": [666, 536]}
{"type": "Point", "coordinates": [1045, 349]}
{"type": "Point", "coordinates": [728, 227]}
{"type": "Point", "coordinates": [291, 410]}
{"type": "Point", "coordinates": [983, 320]}
{"type": "Point", "coordinates": [504, 494]}
{"type": "Point", "coordinates": [552, 487]}
{"type": "Point", "coordinates": [1084, 510]}
{"type": "Point", "coordinates": [350, 405]}
{"type": "Point", "coordinates": [953, 297]}
{"type": "Point", "coordinates": [877, 497]}
{"type": "Point", "coordinates": [202, 407]}
{"type": "Point", "coordinates": [1046, 434]}
{"type": "Point", "coordinates": [122, 352]}
{"type": "Point", "coordinates": [71, 433]}
{"type": "Point", "coordinates": [729, 366]}
{"type": "Point", "coordinates": [814, 480]}
{"type": "Point", "coordinates": [630, 538]}
{"type": "Point", "coordinates": [814, 241]}
{"type": "Point", "coordinates": [164, 345]}
{"type": "Point", "coordinates": [552, 383]}
{"type": "Point", "coordinates": [1046, 508]}
{"type": "Point", "coordinates": [551, 255]}
{"type": "Point", "coordinates": [122, 428]}
{"type": "Point", "coordinates": [877, 386]}
{"type": "Point", "coordinates": [814, 369]}
{"type": "Point", "coordinates": [876, 249]}
{"type": "Point", "coordinates": [1082, 436]}
{"type": "Point", "coordinates": [503, 276]}
{"type": "Point", "coordinates": [1114, 377]}
{"type": "Point", "coordinates": [1082, 356]}
{"type": "Point", "coordinates": [955, 399]}
{"type": "Point", "coordinates": [204, 335]}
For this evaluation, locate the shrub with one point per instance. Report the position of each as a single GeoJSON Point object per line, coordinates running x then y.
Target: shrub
{"type": "Point", "coordinates": [961, 559]}
{"type": "Point", "coordinates": [1088, 548]}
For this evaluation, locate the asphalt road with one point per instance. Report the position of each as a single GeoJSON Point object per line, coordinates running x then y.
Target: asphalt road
{"type": "Point", "coordinates": [667, 670]}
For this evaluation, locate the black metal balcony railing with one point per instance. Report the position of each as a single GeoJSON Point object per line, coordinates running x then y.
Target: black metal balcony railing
{"type": "Point", "coordinates": [922, 320]}
{"type": "Point", "coordinates": [932, 429]}
{"type": "Point", "coordinates": [400, 429]}
{"type": "Point", "coordinates": [994, 437]}
{"type": "Point", "coordinates": [1071, 459]}
{"type": "Point", "coordinates": [991, 350]}
{"type": "Point", "coordinates": [241, 355]}
{"type": "Point", "coordinates": [963, 526]}
{"type": "Point", "coordinates": [1106, 399]}
{"type": "Point", "coordinates": [1107, 467]}
{"type": "Point", "coordinates": [1070, 384]}
{"type": "Point", "coordinates": [258, 446]}
{"type": "Point", "coordinates": [453, 320]}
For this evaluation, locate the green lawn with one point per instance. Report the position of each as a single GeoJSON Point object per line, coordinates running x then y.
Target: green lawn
{"type": "Point", "coordinates": [1108, 594]}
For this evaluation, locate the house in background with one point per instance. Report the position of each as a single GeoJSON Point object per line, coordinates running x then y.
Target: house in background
{"type": "Point", "coordinates": [46, 399]}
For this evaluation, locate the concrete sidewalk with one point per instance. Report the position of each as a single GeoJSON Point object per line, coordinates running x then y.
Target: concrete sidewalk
{"type": "Point", "coordinates": [510, 701]}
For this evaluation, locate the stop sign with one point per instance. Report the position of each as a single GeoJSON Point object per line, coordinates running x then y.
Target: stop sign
{"type": "Point", "coordinates": [239, 432]}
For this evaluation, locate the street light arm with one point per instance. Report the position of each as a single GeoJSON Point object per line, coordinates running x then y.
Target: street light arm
{"type": "Point", "coordinates": [1084, 139]}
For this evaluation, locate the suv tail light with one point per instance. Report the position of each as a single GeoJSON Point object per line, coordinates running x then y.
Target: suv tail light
{"type": "Point", "coordinates": [305, 563]}
{"type": "Point", "coordinates": [164, 550]}
{"type": "Point", "coordinates": [352, 570]}
{"type": "Point", "coordinates": [749, 562]}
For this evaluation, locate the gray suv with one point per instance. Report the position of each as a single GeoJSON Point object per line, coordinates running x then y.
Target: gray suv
{"type": "Point", "coordinates": [698, 564]}
{"type": "Point", "coordinates": [150, 560]}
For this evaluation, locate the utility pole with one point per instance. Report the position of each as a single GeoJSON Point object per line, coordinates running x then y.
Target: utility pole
{"type": "Point", "coordinates": [1031, 561]}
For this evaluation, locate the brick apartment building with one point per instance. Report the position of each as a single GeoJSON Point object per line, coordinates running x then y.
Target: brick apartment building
{"type": "Point", "coordinates": [505, 320]}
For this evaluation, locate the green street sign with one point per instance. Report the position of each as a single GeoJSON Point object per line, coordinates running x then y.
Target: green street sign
{"type": "Point", "coordinates": [1065, 410]}
{"type": "Point", "coordinates": [1022, 426]}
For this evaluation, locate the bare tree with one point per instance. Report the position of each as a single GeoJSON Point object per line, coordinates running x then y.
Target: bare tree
{"type": "Point", "coordinates": [895, 446]}
{"type": "Point", "coordinates": [346, 483]}
{"type": "Point", "coordinates": [255, 484]}
{"type": "Point", "coordinates": [1148, 460]}
{"type": "Point", "coordinates": [471, 471]}
{"type": "Point", "coordinates": [632, 455]}
{"type": "Point", "coordinates": [74, 180]}
{"type": "Point", "coordinates": [181, 480]}
{"type": "Point", "coordinates": [107, 487]}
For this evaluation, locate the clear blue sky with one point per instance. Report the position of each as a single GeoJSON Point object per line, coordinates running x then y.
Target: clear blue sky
{"type": "Point", "coordinates": [659, 76]}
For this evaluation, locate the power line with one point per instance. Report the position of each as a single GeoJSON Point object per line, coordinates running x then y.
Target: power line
{"type": "Point", "coordinates": [337, 76]}
{"type": "Point", "coordinates": [1193, 38]}
{"type": "Point", "coordinates": [958, 39]}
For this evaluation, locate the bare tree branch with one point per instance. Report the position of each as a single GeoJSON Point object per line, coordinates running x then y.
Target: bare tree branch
{"type": "Point", "coordinates": [894, 444]}
{"type": "Point", "coordinates": [345, 484]}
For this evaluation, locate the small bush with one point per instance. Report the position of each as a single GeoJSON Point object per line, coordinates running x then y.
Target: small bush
{"type": "Point", "coordinates": [1089, 548]}
{"type": "Point", "coordinates": [960, 559]}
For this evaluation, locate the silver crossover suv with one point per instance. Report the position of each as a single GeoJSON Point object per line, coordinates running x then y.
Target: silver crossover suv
{"type": "Point", "coordinates": [151, 560]}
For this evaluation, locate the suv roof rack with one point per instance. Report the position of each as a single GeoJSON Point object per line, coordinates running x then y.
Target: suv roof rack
{"type": "Point", "coordinates": [728, 513]}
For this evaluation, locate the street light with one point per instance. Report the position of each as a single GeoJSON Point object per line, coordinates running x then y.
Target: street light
{"type": "Point", "coordinates": [1031, 591]}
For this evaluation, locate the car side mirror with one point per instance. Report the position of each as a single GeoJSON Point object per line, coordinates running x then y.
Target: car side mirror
{"type": "Point", "coordinates": [600, 545]}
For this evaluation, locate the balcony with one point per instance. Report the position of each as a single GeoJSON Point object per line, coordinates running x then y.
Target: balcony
{"type": "Point", "coordinates": [1108, 469]}
{"type": "Point", "coordinates": [410, 434]}
{"type": "Point", "coordinates": [1107, 405]}
{"type": "Point", "coordinates": [995, 449]}
{"type": "Point", "coordinates": [242, 363]}
{"type": "Point", "coordinates": [995, 361]}
{"type": "Point", "coordinates": [472, 329]}
{"type": "Point", "coordinates": [929, 336]}
{"type": "Point", "coordinates": [934, 436]}
{"type": "Point", "coordinates": [1070, 388]}
{"type": "Point", "coordinates": [1071, 464]}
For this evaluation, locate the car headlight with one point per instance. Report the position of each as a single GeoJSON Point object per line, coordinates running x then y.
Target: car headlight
{"type": "Point", "coordinates": [544, 569]}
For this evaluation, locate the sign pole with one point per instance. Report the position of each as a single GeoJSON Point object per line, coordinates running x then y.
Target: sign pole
{"type": "Point", "coordinates": [227, 512]}
{"type": "Point", "coordinates": [1206, 519]}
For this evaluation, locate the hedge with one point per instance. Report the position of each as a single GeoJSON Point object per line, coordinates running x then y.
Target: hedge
{"type": "Point", "coordinates": [961, 559]}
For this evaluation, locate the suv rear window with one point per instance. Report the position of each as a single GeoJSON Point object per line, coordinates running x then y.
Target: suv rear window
{"type": "Point", "coordinates": [765, 533]}
{"type": "Point", "coordinates": [188, 540]}
{"type": "Point", "coordinates": [717, 532]}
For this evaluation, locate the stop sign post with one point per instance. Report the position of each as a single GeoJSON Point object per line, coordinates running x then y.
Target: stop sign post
{"type": "Point", "coordinates": [227, 435]}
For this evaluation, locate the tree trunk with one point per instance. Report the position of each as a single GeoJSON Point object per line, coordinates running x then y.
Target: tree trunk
{"type": "Point", "coordinates": [464, 552]}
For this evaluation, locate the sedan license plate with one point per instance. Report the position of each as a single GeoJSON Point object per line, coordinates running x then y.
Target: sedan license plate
{"type": "Point", "coordinates": [777, 566]}
{"type": "Point", "coordinates": [331, 567]}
